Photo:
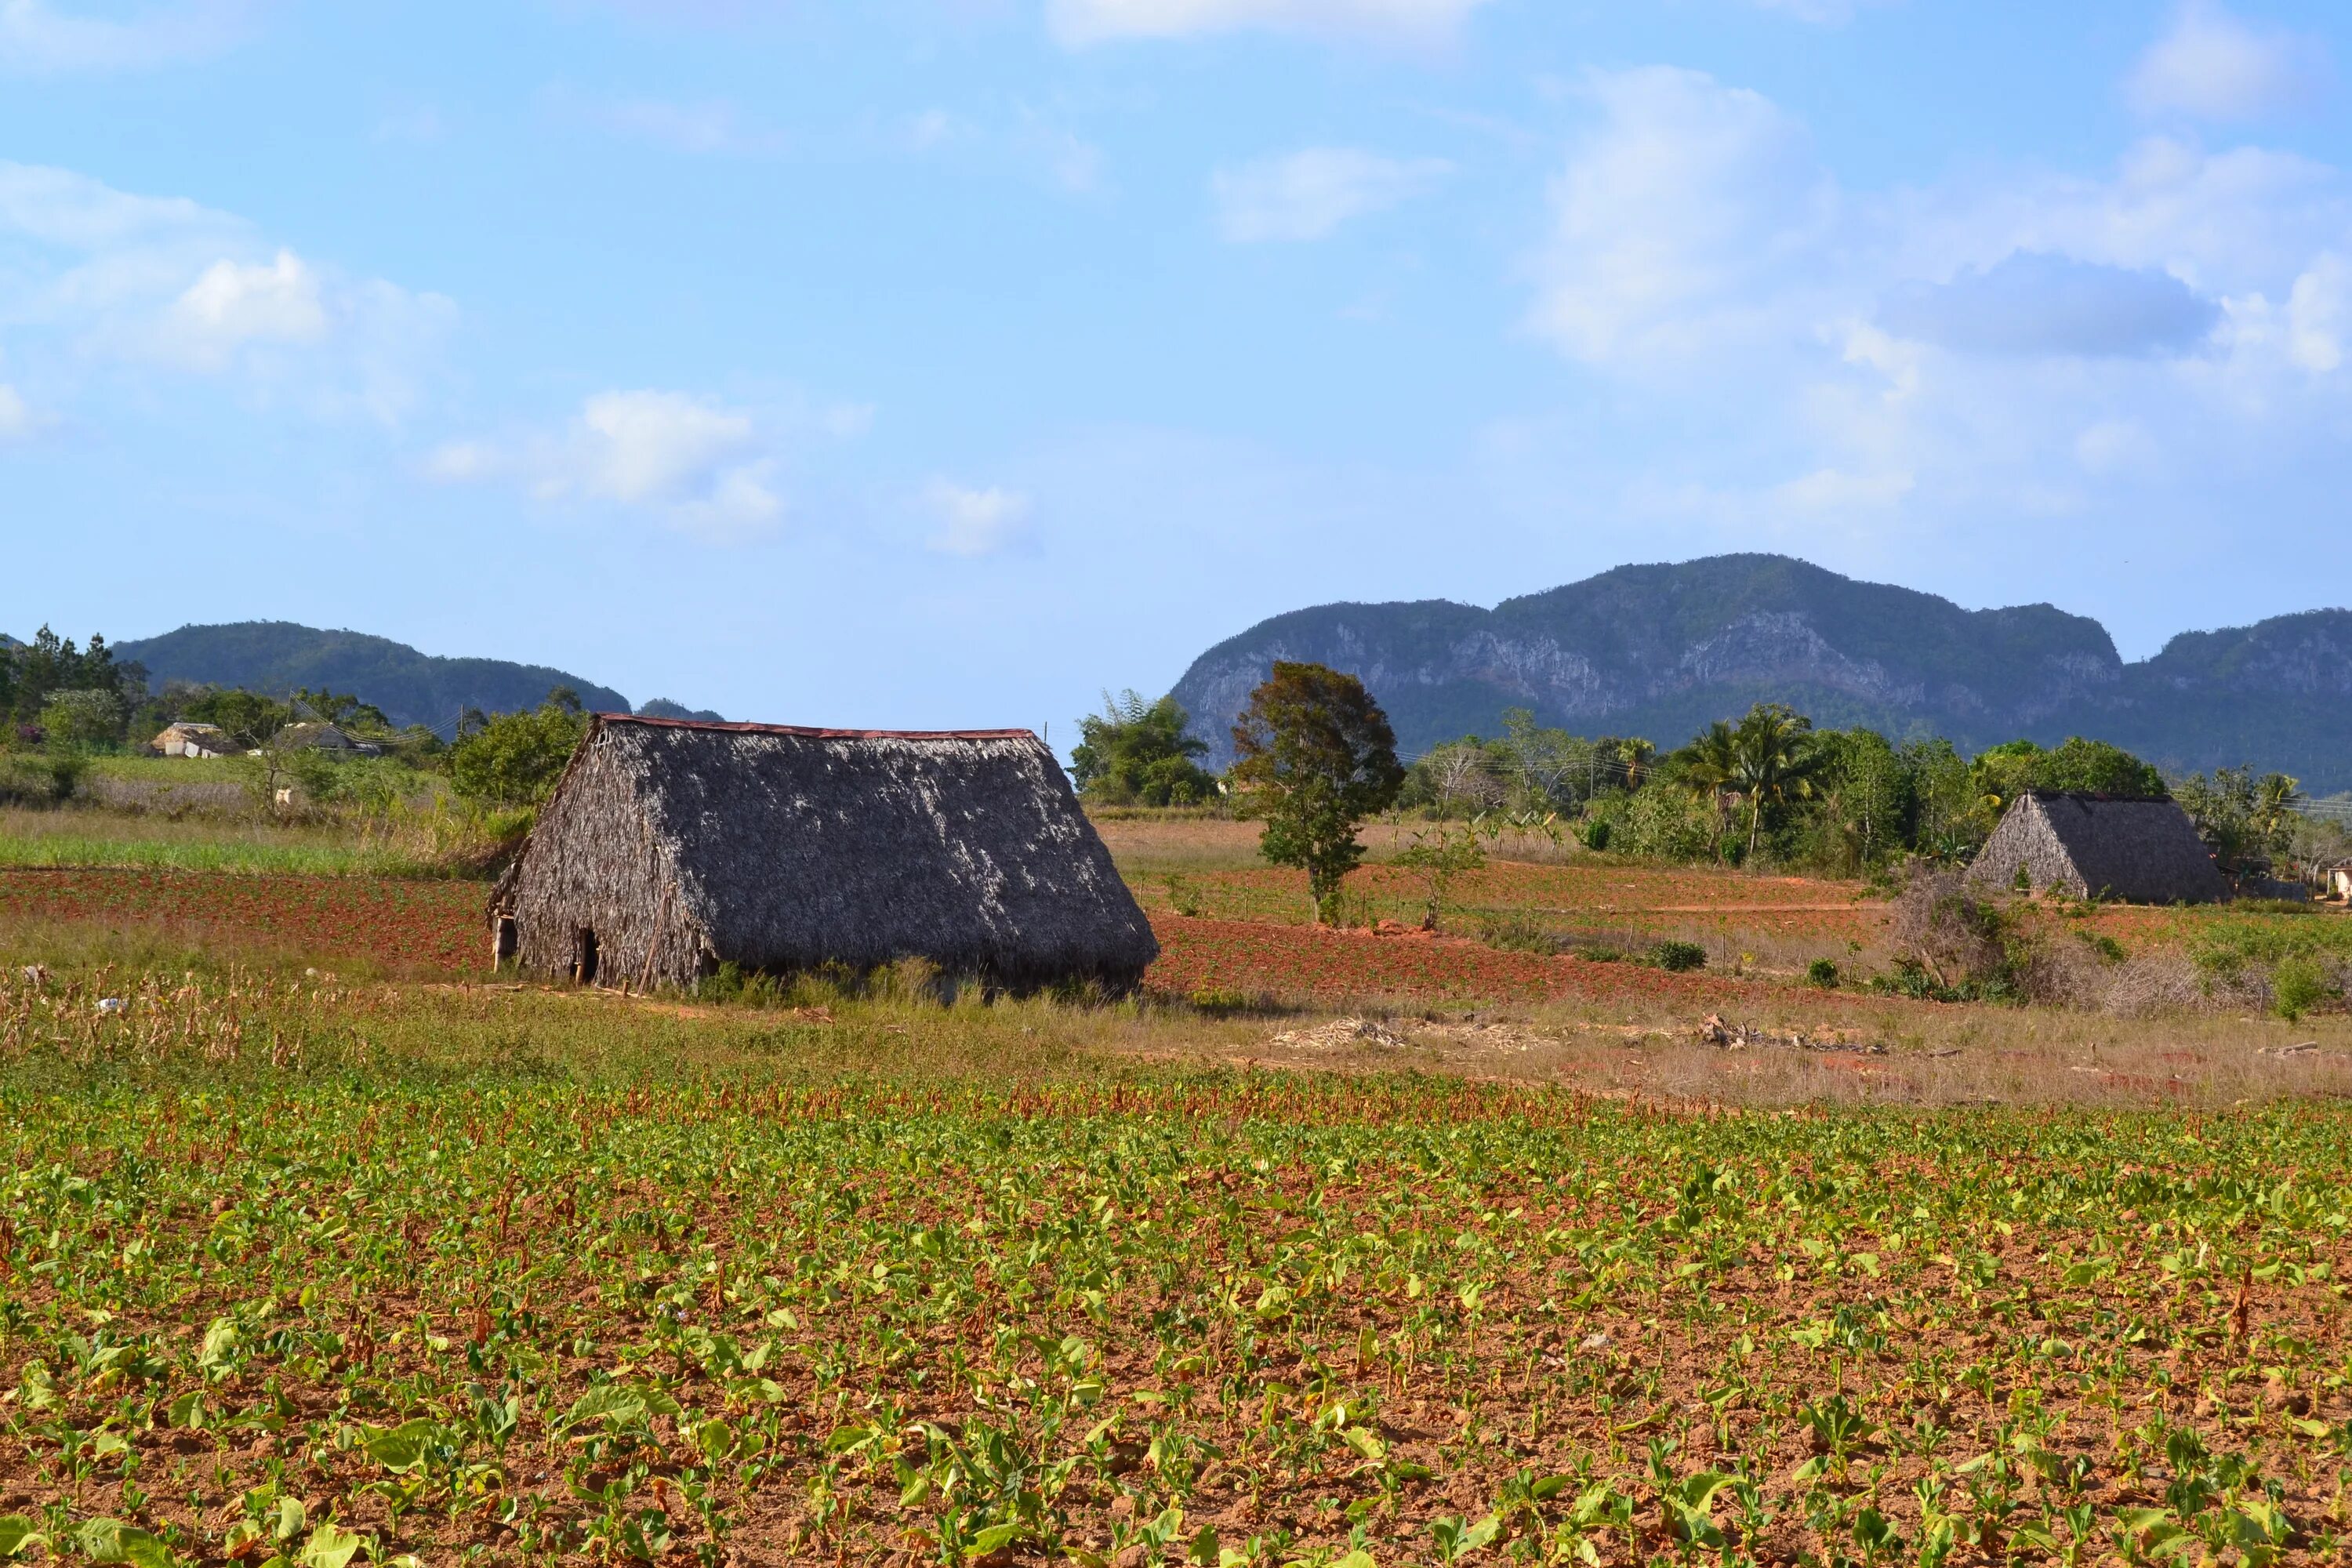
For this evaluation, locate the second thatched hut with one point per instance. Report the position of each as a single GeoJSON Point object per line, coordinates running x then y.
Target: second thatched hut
{"type": "Point", "coordinates": [671, 846]}
{"type": "Point", "coordinates": [2139, 851]}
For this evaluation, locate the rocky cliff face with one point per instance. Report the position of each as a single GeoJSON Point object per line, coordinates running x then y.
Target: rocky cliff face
{"type": "Point", "coordinates": [1662, 650]}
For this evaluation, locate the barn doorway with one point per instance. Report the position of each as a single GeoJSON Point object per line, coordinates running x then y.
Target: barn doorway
{"type": "Point", "coordinates": [504, 941]}
{"type": "Point", "coordinates": [583, 960]}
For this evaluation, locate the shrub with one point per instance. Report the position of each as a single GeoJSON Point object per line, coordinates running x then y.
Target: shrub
{"type": "Point", "coordinates": [1516, 931]}
{"type": "Point", "coordinates": [2297, 985]}
{"type": "Point", "coordinates": [1218, 1001]}
{"type": "Point", "coordinates": [1599, 954]}
{"type": "Point", "coordinates": [515, 759]}
{"type": "Point", "coordinates": [1955, 934]}
{"type": "Point", "coordinates": [1596, 835]}
{"type": "Point", "coordinates": [1678, 957]}
{"type": "Point", "coordinates": [1184, 897]}
{"type": "Point", "coordinates": [50, 779]}
{"type": "Point", "coordinates": [1823, 972]}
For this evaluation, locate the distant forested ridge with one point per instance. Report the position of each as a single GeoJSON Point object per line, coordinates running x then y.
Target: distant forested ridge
{"type": "Point", "coordinates": [1662, 651]}
{"type": "Point", "coordinates": [411, 688]}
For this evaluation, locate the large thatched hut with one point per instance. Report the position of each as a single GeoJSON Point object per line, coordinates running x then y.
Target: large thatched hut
{"type": "Point", "coordinates": [2140, 852]}
{"type": "Point", "coordinates": [670, 846]}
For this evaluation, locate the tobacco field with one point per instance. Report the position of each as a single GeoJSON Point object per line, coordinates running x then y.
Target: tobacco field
{"type": "Point", "coordinates": [272, 1292]}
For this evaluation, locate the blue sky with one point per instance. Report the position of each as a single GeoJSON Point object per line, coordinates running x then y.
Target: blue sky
{"type": "Point", "coordinates": [942, 362]}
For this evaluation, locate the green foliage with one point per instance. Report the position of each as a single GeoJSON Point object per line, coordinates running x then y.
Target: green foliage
{"type": "Point", "coordinates": [1550, 769]}
{"type": "Point", "coordinates": [1440, 856]}
{"type": "Point", "coordinates": [2249, 823]}
{"type": "Point", "coordinates": [1461, 778]}
{"type": "Point", "coordinates": [33, 674]}
{"type": "Point", "coordinates": [1517, 931]}
{"type": "Point", "coordinates": [250, 717]}
{"type": "Point", "coordinates": [514, 759]}
{"type": "Point", "coordinates": [636, 1287]}
{"type": "Point", "coordinates": [1867, 794]}
{"type": "Point", "coordinates": [1138, 753]}
{"type": "Point", "coordinates": [2299, 985]}
{"type": "Point", "coordinates": [1656, 823]}
{"type": "Point", "coordinates": [2079, 766]}
{"type": "Point", "coordinates": [79, 719]}
{"type": "Point", "coordinates": [42, 779]}
{"type": "Point", "coordinates": [1777, 762]}
{"type": "Point", "coordinates": [1315, 757]}
{"type": "Point", "coordinates": [1951, 815]}
{"type": "Point", "coordinates": [1766, 761]}
{"type": "Point", "coordinates": [1823, 973]}
{"type": "Point", "coordinates": [1678, 957]}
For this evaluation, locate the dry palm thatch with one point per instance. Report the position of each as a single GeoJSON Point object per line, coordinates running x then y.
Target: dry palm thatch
{"type": "Point", "coordinates": [2140, 852]}
{"type": "Point", "coordinates": [671, 846]}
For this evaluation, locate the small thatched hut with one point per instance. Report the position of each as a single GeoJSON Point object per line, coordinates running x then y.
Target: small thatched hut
{"type": "Point", "coordinates": [2140, 852]}
{"type": "Point", "coordinates": [670, 846]}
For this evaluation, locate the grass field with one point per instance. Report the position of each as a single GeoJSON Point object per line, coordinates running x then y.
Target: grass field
{"type": "Point", "coordinates": [316, 1245]}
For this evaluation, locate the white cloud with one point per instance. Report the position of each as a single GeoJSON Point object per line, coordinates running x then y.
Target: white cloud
{"type": "Point", "coordinates": [976, 522]}
{"type": "Point", "coordinates": [2319, 314]}
{"type": "Point", "coordinates": [466, 462]}
{"type": "Point", "coordinates": [1307, 195]}
{"type": "Point", "coordinates": [1820, 13]}
{"type": "Point", "coordinates": [1833, 490]}
{"type": "Point", "coordinates": [692, 463]}
{"type": "Point", "coordinates": [1980, 352]}
{"type": "Point", "coordinates": [38, 38]}
{"type": "Point", "coordinates": [232, 305]}
{"type": "Point", "coordinates": [1689, 205]}
{"type": "Point", "coordinates": [2214, 66]}
{"type": "Point", "coordinates": [99, 274]}
{"type": "Point", "coordinates": [656, 446]}
{"type": "Point", "coordinates": [16, 415]}
{"type": "Point", "coordinates": [1095, 21]}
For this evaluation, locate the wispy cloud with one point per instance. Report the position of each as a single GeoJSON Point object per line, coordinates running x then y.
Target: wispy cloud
{"type": "Point", "coordinates": [2214, 66]}
{"type": "Point", "coordinates": [1307, 195]}
{"type": "Point", "coordinates": [162, 281]}
{"type": "Point", "coordinates": [1080, 22]}
{"type": "Point", "coordinates": [694, 463]}
{"type": "Point", "coordinates": [975, 521]}
{"type": "Point", "coordinates": [37, 38]}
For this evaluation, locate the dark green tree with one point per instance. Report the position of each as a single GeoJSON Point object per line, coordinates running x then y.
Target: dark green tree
{"type": "Point", "coordinates": [1138, 753]}
{"type": "Point", "coordinates": [514, 759]}
{"type": "Point", "coordinates": [250, 717]}
{"type": "Point", "coordinates": [1776, 761]}
{"type": "Point", "coordinates": [50, 663]}
{"type": "Point", "coordinates": [1709, 768]}
{"type": "Point", "coordinates": [1864, 795]}
{"type": "Point", "coordinates": [2247, 822]}
{"type": "Point", "coordinates": [2094, 767]}
{"type": "Point", "coordinates": [1315, 756]}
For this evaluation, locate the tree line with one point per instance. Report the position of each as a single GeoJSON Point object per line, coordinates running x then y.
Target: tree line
{"type": "Point", "coordinates": [1315, 756]}
{"type": "Point", "coordinates": [62, 705]}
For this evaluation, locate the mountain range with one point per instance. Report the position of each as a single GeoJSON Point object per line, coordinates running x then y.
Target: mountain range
{"type": "Point", "coordinates": [1661, 651]}
{"type": "Point", "coordinates": [411, 688]}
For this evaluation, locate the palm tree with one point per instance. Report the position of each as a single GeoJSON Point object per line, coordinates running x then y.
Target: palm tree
{"type": "Point", "coordinates": [1635, 754]}
{"type": "Point", "coordinates": [1709, 765]}
{"type": "Point", "coordinates": [1774, 760]}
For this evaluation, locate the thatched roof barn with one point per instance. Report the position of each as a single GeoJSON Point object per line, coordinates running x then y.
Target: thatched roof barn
{"type": "Point", "coordinates": [2140, 852]}
{"type": "Point", "coordinates": [672, 846]}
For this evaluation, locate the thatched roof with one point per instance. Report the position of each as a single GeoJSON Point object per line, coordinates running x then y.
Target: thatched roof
{"type": "Point", "coordinates": [684, 844]}
{"type": "Point", "coordinates": [2141, 851]}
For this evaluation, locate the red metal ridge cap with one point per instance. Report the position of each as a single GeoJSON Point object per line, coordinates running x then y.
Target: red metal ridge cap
{"type": "Point", "coordinates": [809, 734]}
